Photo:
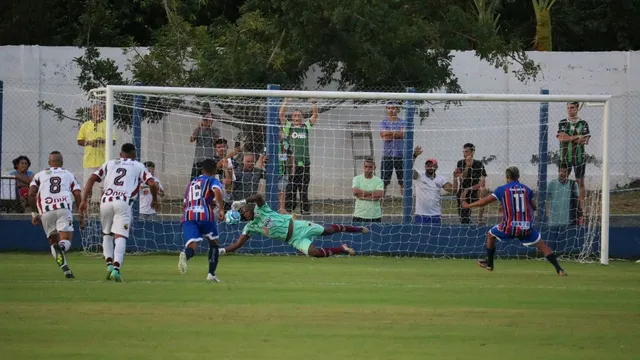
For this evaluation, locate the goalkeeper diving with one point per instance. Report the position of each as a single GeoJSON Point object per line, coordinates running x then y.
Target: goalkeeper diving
{"type": "Point", "coordinates": [298, 233]}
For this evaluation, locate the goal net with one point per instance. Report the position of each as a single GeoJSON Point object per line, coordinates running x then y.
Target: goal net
{"type": "Point", "coordinates": [399, 159]}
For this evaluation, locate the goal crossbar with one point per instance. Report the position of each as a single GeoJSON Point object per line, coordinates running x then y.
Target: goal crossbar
{"type": "Point", "coordinates": [109, 91]}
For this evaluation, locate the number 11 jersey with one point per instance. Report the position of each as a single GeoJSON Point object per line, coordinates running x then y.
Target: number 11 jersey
{"type": "Point", "coordinates": [517, 209]}
{"type": "Point", "coordinates": [199, 199]}
{"type": "Point", "coordinates": [121, 179]}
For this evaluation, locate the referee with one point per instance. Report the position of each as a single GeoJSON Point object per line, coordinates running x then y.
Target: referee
{"type": "Point", "coordinates": [472, 186]}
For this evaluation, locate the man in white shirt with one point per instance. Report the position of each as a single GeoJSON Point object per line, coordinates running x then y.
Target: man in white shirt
{"type": "Point", "coordinates": [146, 210]}
{"type": "Point", "coordinates": [428, 187]}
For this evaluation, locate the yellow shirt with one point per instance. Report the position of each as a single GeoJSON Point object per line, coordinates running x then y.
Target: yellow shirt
{"type": "Point", "coordinates": [93, 156]}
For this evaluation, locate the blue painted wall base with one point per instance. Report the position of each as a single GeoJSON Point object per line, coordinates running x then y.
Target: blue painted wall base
{"type": "Point", "coordinates": [397, 239]}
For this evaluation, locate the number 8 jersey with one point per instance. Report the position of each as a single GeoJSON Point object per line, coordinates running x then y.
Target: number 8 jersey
{"type": "Point", "coordinates": [55, 189]}
{"type": "Point", "coordinates": [121, 179]}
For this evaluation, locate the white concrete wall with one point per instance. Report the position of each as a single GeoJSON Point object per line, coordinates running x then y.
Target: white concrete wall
{"type": "Point", "coordinates": [509, 131]}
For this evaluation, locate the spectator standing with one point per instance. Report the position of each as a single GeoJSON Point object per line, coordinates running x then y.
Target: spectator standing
{"type": "Point", "coordinates": [224, 168]}
{"type": "Point", "coordinates": [392, 134]}
{"type": "Point", "coordinates": [23, 177]}
{"type": "Point", "coordinates": [368, 190]}
{"type": "Point", "coordinates": [204, 136]}
{"type": "Point", "coordinates": [473, 182]}
{"type": "Point", "coordinates": [562, 199]}
{"type": "Point", "coordinates": [286, 169]}
{"type": "Point", "coordinates": [298, 132]}
{"type": "Point", "coordinates": [429, 186]}
{"type": "Point", "coordinates": [248, 177]}
{"type": "Point", "coordinates": [92, 136]}
{"type": "Point", "coordinates": [146, 210]}
{"type": "Point", "coordinates": [574, 134]}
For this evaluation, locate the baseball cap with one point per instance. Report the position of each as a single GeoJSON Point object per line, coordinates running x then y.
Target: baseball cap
{"type": "Point", "coordinates": [431, 160]}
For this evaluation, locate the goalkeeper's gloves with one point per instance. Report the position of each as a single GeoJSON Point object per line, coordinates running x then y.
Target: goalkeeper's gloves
{"type": "Point", "coordinates": [221, 251]}
{"type": "Point", "coordinates": [236, 205]}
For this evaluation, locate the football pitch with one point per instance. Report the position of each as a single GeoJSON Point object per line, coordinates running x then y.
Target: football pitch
{"type": "Point", "coordinates": [303, 308]}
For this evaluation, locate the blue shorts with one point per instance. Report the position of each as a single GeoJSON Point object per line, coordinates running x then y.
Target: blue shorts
{"type": "Point", "coordinates": [428, 219]}
{"type": "Point", "coordinates": [530, 239]}
{"type": "Point", "coordinates": [198, 230]}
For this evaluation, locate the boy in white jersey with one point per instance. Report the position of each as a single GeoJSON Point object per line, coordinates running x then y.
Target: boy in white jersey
{"type": "Point", "coordinates": [122, 178]}
{"type": "Point", "coordinates": [51, 192]}
{"type": "Point", "coordinates": [145, 194]}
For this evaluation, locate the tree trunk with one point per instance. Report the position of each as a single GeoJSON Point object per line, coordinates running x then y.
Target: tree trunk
{"type": "Point", "coordinates": [543, 30]}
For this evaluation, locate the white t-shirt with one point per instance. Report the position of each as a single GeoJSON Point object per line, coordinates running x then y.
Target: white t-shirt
{"type": "Point", "coordinates": [55, 189]}
{"type": "Point", "coordinates": [121, 179]}
{"type": "Point", "coordinates": [428, 194]}
{"type": "Point", "coordinates": [146, 197]}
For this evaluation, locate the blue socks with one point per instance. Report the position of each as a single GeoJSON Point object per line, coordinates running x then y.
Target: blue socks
{"type": "Point", "coordinates": [214, 255]}
{"type": "Point", "coordinates": [189, 252]}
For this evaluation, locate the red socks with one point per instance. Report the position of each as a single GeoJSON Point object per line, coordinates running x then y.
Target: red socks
{"type": "Point", "coordinates": [326, 252]}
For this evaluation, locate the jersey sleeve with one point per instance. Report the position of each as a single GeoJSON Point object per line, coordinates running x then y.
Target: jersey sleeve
{"type": "Point", "coordinates": [75, 185]}
{"type": "Point", "coordinates": [248, 229]}
{"type": "Point", "coordinates": [286, 129]}
{"type": "Point", "coordinates": [145, 175]}
{"type": "Point", "coordinates": [562, 127]}
{"type": "Point", "coordinates": [81, 133]}
{"type": "Point", "coordinates": [355, 183]}
{"type": "Point", "coordinates": [308, 125]}
{"type": "Point", "coordinates": [484, 171]}
{"type": "Point", "coordinates": [101, 173]}
{"type": "Point", "coordinates": [35, 181]}
{"type": "Point", "coordinates": [215, 184]}
{"type": "Point", "coordinates": [384, 125]}
{"type": "Point", "coordinates": [460, 164]}
{"type": "Point", "coordinates": [380, 184]}
{"type": "Point", "coordinates": [585, 129]}
{"type": "Point", "coordinates": [498, 193]}
{"type": "Point", "coordinates": [442, 181]}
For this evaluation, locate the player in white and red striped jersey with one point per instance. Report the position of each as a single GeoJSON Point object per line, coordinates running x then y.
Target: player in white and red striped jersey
{"type": "Point", "coordinates": [53, 191]}
{"type": "Point", "coordinates": [121, 180]}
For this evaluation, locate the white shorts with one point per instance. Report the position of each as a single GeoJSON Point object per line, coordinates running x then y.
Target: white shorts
{"type": "Point", "coordinates": [56, 221]}
{"type": "Point", "coordinates": [115, 217]}
{"type": "Point", "coordinates": [96, 194]}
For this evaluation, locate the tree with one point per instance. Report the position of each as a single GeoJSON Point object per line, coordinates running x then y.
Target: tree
{"type": "Point", "coordinates": [542, 10]}
{"type": "Point", "coordinates": [356, 44]}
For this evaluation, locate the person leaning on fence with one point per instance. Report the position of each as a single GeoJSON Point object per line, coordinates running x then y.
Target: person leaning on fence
{"type": "Point", "coordinates": [473, 185]}
{"type": "Point", "coordinates": [299, 132]}
{"type": "Point", "coordinates": [368, 190]}
{"type": "Point", "coordinates": [224, 169]}
{"type": "Point", "coordinates": [204, 135]}
{"type": "Point", "coordinates": [392, 134]}
{"type": "Point", "coordinates": [562, 199]}
{"type": "Point", "coordinates": [23, 177]}
{"type": "Point", "coordinates": [248, 176]}
{"type": "Point", "coordinates": [92, 136]}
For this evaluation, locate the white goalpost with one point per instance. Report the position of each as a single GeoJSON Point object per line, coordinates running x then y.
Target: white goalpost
{"type": "Point", "coordinates": [506, 130]}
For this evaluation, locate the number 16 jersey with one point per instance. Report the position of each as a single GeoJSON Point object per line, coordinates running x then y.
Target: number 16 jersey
{"type": "Point", "coordinates": [121, 179]}
{"type": "Point", "coordinates": [199, 199]}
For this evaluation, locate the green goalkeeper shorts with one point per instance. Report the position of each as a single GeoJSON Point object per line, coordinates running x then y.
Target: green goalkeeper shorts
{"type": "Point", "coordinates": [303, 234]}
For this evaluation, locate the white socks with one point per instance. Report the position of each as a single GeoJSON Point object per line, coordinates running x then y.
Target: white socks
{"type": "Point", "coordinates": [121, 248]}
{"type": "Point", "coordinates": [107, 246]}
{"type": "Point", "coordinates": [65, 245]}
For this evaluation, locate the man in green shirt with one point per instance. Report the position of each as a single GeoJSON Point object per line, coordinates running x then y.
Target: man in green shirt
{"type": "Point", "coordinates": [298, 131]}
{"type": "Point", "coordinates": [368, 190]}
{"type": "Point", "coordinates": [298, 233]}
{"type": "Point", "coordinates": [562, 197]}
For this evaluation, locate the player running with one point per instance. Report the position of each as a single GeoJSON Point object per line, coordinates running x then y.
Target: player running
{"type": "Point", "coordinates": [297, 233]}
{"type": "Point", "coordinates": [54, 188]}
{"type": "Point", "coordinates": [122, 178]}
{"type": "Point", "coordinates": [199, 220]}
{"type": "Point", "coordinates": [518, 206]}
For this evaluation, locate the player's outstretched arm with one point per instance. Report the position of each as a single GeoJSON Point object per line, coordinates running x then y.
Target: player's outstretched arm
{"type": "Point", "coordinates": [153, 189]}
{"type": "Point", "coordinates": [236, 245]}
{"type": "Point", "coordinates": [219, 201]}
{"type": "Point", "coordinates": [254, 199]}
{"type": "Point", "coordinates": [482, 202]}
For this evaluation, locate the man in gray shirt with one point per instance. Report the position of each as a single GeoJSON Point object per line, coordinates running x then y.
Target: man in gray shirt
{"type": "Point", "coordinates": [204, 136]}
{"type": "Point", "coordinates": [248, 176]}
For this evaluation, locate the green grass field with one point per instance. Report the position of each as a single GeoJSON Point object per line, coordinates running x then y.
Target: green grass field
{"type": "Point", "coordinates": [302, 308]}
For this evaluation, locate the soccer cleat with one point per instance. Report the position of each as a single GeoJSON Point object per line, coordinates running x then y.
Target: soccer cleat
{"type": "Point", "coordinates": [115, 275]}
{"type": "Point", "coordinates": [349, 250]}
{"type": "Point", "coordinates": [182, 263]}
{"type": "Point", "coordinates": [213, 278]}
{"type": "Point", "coordinates": [562, 273]}
{"type": "Point", "coordinates": [109, 271]}
{"type": "Point", "coordinates": [69, 275]}
{"type": "Point", "coordinates": [364, 230]}
{"type": "Point", "coordinates": [483, 264]}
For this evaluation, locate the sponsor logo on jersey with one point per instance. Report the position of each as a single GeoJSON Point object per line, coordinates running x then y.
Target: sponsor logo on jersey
{"type": "Point", "coordinates": [111, 192]}
{"type": "Point", "coordinates": [299, 135]}
{"type": "Point", "coordinates": [50, 200]}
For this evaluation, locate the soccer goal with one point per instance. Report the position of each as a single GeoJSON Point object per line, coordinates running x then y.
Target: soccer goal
{"type": "Point", "coordinates": [324, 152]}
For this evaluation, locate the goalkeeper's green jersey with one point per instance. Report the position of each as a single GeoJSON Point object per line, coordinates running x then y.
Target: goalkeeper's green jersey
{"type": "Point", "coordinates": [268, 223]}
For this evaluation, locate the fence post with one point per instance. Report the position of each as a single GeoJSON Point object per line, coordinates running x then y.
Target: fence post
{"type": "Point", "coordinates": [407, 196]}
{"type": "Point", "coordinates": [543, 148]}
{"type": "Point", "coordinates": [273, 139]}
{"type": "Point", "coordinates": [136, 124]}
